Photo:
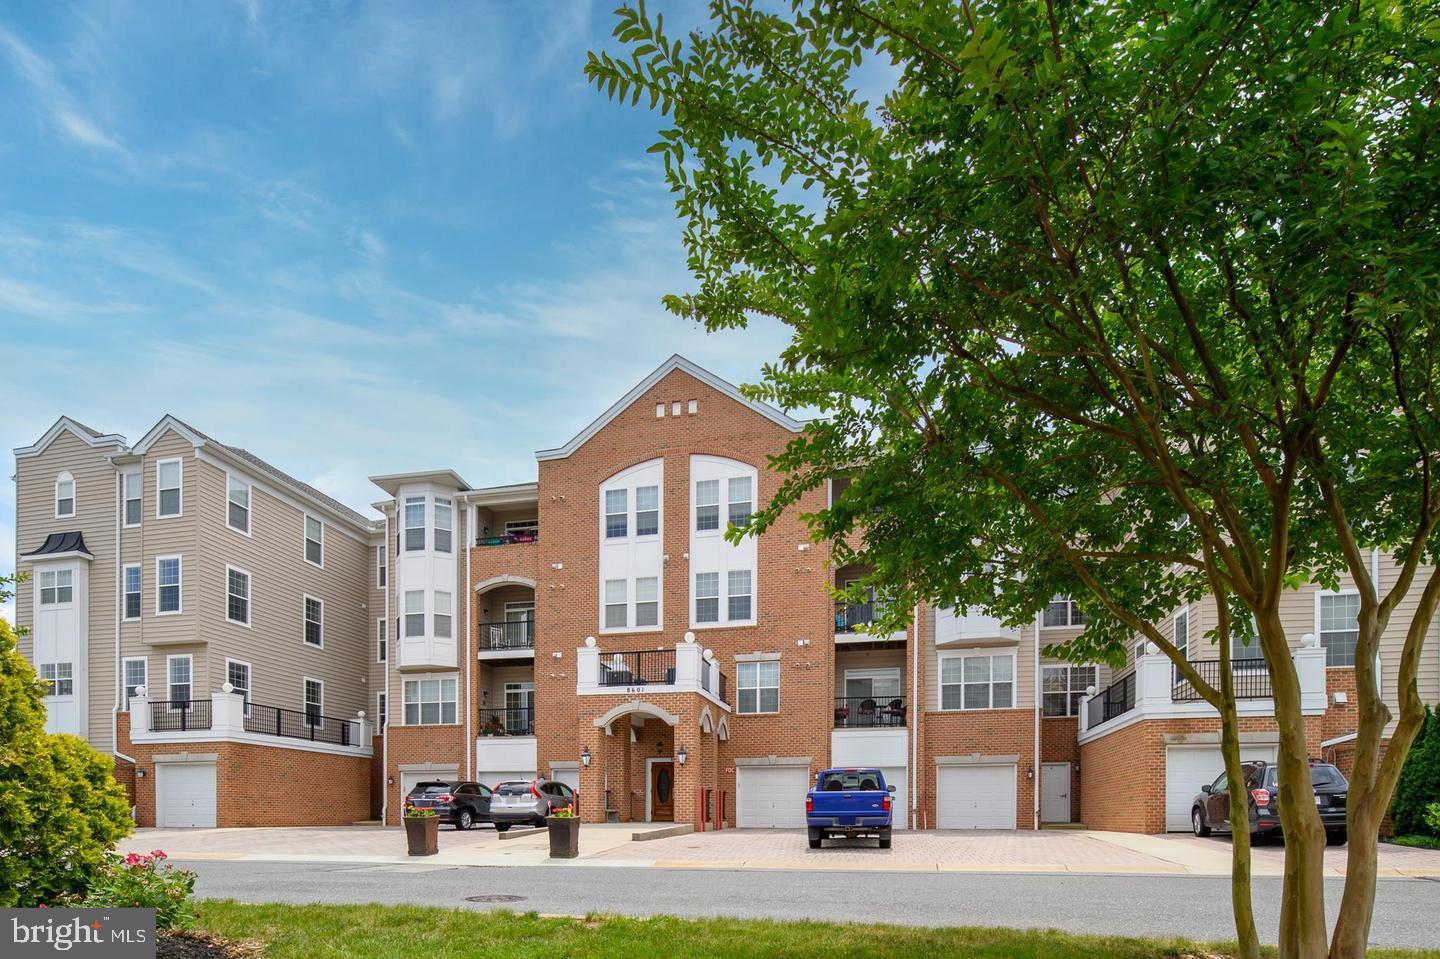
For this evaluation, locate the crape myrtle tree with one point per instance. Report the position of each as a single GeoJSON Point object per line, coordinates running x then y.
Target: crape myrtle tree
{"type": "Point", "coordinates": [1130, 301]}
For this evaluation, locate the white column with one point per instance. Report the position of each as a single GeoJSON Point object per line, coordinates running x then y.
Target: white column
{"type": "Point", "coordinates": [587, 666]}
{"type": "Point", "coordinates": [687, 664]}
{"type": "Point", "coordinates": [227, 713]}
{"type": "Point", "coordinates": [1310, 669]}
{"type": "Point", "coordinates": [1152, 679]}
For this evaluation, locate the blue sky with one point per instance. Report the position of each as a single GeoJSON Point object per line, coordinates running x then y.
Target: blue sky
{"type": "Point", "coordinates": [354, 238]}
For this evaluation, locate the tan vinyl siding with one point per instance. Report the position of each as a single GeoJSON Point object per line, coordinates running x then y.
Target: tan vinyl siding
{"type": "Point", "coordinates": [168, 536]}
{"type": "Point", "coordinates": [890, 658]}
{"type": "Point", "coordinates": [1024, 660]}
{"type": "Point", "coordinates": [95, 518]}
{"type": "Point", "coordinates": [274, 556]}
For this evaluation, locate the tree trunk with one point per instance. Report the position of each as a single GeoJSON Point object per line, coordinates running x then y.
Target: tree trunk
{"type": "Point", "coordinates": [1302, 909]}
{"type": "Point", "coordinates": [1240, 884]}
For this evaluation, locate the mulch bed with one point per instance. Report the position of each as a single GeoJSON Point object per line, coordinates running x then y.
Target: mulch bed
{"type": "Point", "coordinates": [201, 945]}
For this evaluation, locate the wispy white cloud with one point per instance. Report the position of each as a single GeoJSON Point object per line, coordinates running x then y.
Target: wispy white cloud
{"type": "Point", "coordinates": [53, 98]}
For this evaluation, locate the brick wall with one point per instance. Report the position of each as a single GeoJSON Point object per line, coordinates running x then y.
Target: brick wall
{"type": "Point", "coordinates": [994, 732]}
{"type": "Point", "coordinates": [1059, 744]}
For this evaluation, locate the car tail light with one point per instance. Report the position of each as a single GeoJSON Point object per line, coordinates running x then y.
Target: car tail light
{"type": "Point", "coordinates": [445, 798]}
{"type": "Point", "coordinates": [1261, 796]}
{"type": "Point", "coordinates": [534, 792]}
{"type": "Point", "coordinates": [885, 803]}
{"type": "Point", "coordinates": [809, 803]}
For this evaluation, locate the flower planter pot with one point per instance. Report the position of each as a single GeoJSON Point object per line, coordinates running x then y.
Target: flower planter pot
{"type": "Point", "coordinates": [564, 838]}
{"type": "Point", "coordinates": [422, 835]}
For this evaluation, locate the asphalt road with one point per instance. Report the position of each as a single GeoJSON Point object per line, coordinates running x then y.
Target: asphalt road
{"type": "Point", "coordinates": [1193, 907]}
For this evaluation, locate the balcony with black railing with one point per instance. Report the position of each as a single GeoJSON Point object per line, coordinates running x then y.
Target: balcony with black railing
{"type": "Point", "coordinates": [685, 667]}
{"type": "Point", "coordinates": [640, 667]}
{"type": "Point", "coordinates": [301, 724]}
{"type": "Point", "coordinates": [505, 636]}
{"type": "Point", "coordinates": [508, 721]}
{"type": "Point", "coordinates": [867, 712]}
{"type": "Point", "coordinates": [179, 715]}
{"type": "Point", "coordinates": [1251, 678]}
{"type": "Point", "coordinates": [1114, 700]}
{"type": "Point", "coordinates": [508, 538]}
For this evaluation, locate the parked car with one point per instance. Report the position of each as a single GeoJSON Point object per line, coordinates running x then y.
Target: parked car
{"type": "Point", "coordinates": [461, 803]}
{"type": "Point", "coordinates": [528, 802]}
{"type": "Point", "coordinates": [1263, 795]}
{"type": "Point", "coordinates": [849, 802]}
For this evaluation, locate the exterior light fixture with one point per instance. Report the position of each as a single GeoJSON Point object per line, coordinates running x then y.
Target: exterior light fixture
{"type": "Point", "coordinates": [680, 755]}
{"type": "Point", "coordinates": [585, 756]}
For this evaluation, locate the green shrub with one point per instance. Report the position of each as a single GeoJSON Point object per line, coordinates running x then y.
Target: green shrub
{"type": "Point", "coordinates": [1419, 783]}
{"type": "Point", "coordinates": [137, 881]}
{"type": "Point", "coordinates": [61, 809]}
{"type": "Point", "coordinates": [1432, 817]}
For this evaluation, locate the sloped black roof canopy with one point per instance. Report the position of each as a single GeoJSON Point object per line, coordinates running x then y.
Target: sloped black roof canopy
{"type": "Point", "coordinates": [62, 543]}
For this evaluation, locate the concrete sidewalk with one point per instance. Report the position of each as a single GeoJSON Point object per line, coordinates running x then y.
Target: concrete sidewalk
{"type": "Point", "coordinates": [613, 844]}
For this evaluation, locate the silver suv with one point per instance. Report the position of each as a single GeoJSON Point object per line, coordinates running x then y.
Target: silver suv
{"type": "Point", "coordinates": [525, 801]}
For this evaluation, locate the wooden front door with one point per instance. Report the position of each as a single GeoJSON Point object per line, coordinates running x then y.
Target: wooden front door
{"type": "Point", "coordinates": [662, 791]}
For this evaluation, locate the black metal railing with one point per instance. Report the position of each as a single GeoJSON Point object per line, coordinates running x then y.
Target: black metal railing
{"type": "Point", "coordinates": [641, 667]}
{"type": "Point", "coordinates": [508, 721]}
{"type": "Point", "coordinates": [1252, 679]}
{"type": "Point", "coordinates": [856, 712]}
{"type": "Point", "coordinates": [508, 634]}
{"type": "Point", "coordinates": [1117, 699]}
{"type": "Point", "coordinates": [853, 617]}
{"type": "Point", "coordinates": [180, 714]}
{"type": "Point", "coordinates": [299, 724]}
{"type": "Point", "coordinates": [505, 539]}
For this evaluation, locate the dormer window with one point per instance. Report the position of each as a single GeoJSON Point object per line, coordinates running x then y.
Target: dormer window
{"type": "Point", "coordinates": [64, 496]}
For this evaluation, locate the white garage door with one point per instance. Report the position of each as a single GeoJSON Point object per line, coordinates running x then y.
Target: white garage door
{"type": "Point", "coordinates": [409, 779]}
{"type": "Point", "coordinates": [975, 797]}
{"type": "Point", "coordinates": [896, 776]}
{"type": "Point", "coordinates": [493, 779]}
{"type": "Point", "coordinates": [771, 796]}
{"type": "Point", "coordinates": [1187, 768]}
{"type": "Point", "coordinates": [570, 777]}
{"type": "Point", "coordinates": [184, 794]}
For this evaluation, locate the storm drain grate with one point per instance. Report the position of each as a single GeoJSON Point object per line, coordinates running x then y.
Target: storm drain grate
{"type": "Point", "coordinates": [495, 897]}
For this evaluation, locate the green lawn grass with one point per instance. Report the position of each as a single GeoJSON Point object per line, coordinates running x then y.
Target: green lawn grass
{"type": "Point", "coordinates": [393, 932]}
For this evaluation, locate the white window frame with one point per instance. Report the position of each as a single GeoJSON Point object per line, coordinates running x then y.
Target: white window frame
{"type": "Point", "coordinates": [1072, 613]}
{"type": "Point", "coordinates": [695, 506]}
{"type": "Point", "coordinates": [126, 499]}
{"type": "Point", "coordinates": [249, 596]}
{"type": "Point", "coordinates": [636, 602]}
{"type": "Point", "coordinates": [406, 527]}
{"type": "Point", "coordinates": [606, 604]}
{"type": "Point", "coordinates": [873, 673]}
{"type": "Point", "coordinates": [522, 526]}
{"type": "Point", "coordinates": [417, 683]}
{"type": "Point", "coordinates": [1069, 693]}
{"type": "Point", "coordinates": [695, 598]}
{"type": "Point", "coordinates": [179, 585]}
{"type": "Point", "coordinates": [750, 594]}
{"type": "Point", "coordinates": [66, 477]}
{"type": "Point", "coordinates": [406, 612]}
{"type": "Point", "coordinates": [382, 566]}
{"type": "Point", "coordinates": [755, 664]}
{"type": "Point", "coordinates": [438, 503]}
{"type": "Point", "coordinates": [635, 512]}
{"type": "Point", "coordinates": [126, 592]}
{"type": "Point", "coordinates": [49, 674]}
{"type": "Point", "coordinates": [448, 614]}
{"type": "Point", "coordinates": [53, 576]}
{"type": "Point", "coordinates": [249, 680]}
{"type": "Point", "coordinates": [625, 513]}
{"type": "Point", "coordinates": [730, 501]}
{"type": "Point", "coordinates": [179, 488]}
{"type": "Point", "coordinates": [963, 654]}
{"type": "Point", "coordinates": [319, 542]}
{"type": "Point", "coordinates": [125, 685]}
{"type": "Point", "coordinates": [170, 683]}
{"type": "Point", "coordinates": [382, 707]}
{"type": "Point", "coordinates": [305, 600]}
{"type": "Point", "coordinates": [1320, 596]}
{"type": "Point", "coordinates": [305, 682]}
{"type": "Point", "coordinates": [382, 640]}
{"type": "Point", "coordinates": [238, 480]}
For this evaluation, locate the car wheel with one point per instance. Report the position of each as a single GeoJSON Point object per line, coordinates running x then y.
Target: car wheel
{"type": "Point", "coordinates": [1337, 837]}
{"type": "Point", "coordinates": [885, 839]}
{"type": "Point", "coordinates": [464, 820]}
{"type": "Point", "coordinates": [816, 838]}
{"type": "Point", "coordinates": [502, 826]}
{"type": "Point", "coordinates": [1197, 823]}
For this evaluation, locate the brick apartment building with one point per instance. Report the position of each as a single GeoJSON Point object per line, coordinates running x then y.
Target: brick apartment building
{"type": "Point", "coordinates": [231, 634]}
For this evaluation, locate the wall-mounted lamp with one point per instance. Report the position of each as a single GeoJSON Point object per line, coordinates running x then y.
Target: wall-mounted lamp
{"type": "Point", "coordinates": [680, 755]}
{"type": "Point", "coordinates": [390, 781]}
{"type": "Point", "coordinates": [659, 747]}
{"type": "Point", "coordinates": [585, 756]}
{"type": "Point", "coordinates": [1030, 771]}
{"type": "Point", "coordinates": [140, 772]}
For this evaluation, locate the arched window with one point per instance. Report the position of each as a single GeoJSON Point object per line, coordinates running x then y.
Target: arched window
{"type": "Point", "coordinates": [64, 495]}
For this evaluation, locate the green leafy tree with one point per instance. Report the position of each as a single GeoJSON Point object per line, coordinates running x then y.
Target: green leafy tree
{"type": "Point", "coordinates": [1133, 302]}
{"type": "Point", "coordinates": [1419, 783]}
{"type": "Point", "coordinates": [61, 809]}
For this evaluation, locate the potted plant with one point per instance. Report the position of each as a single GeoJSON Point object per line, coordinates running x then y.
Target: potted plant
{"type": "Point", "coordinates": [564, 833]}
{"type": "Point", "coordinates": [422, 831]}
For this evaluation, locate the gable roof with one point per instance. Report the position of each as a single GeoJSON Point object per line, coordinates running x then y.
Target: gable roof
{"type": "Point", "coordinates": [65, 424]}
{"type": "Point", "coordinates": [676, 362]}
{"type": "Point", "coordinates": [244, 458]}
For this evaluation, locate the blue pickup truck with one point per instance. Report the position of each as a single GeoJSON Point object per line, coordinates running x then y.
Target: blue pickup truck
{"type": "Point", "coordinates": [849, 802]}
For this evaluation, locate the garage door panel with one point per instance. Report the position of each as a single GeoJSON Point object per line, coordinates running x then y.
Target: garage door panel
{"type": "Point", "coordinates": [975, 797]}
{"type": "Point", "coordinates": [1187, 768]}
{"type": "Point", "coordinates": [408, 779]}
{"type": "Point", "coordinates": [493, 779]}
{"type": "Point", "coordinates": [771, 796]}
{"type": "Point", "coordinates": [185, 795]}
{"type": "Point", "coordinates": [900, 799]}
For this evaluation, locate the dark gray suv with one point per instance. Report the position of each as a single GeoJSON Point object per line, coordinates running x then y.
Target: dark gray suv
{"type": "Point", "coordinates": [1263, 794]}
